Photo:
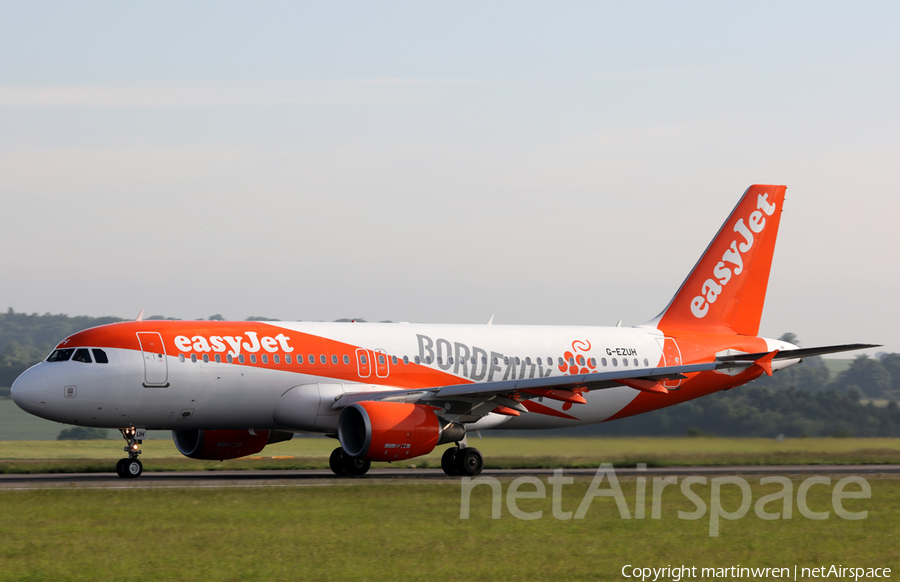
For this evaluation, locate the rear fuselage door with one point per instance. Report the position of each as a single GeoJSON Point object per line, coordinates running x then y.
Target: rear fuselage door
{"type": "Point", "coordinates": [156, 369]}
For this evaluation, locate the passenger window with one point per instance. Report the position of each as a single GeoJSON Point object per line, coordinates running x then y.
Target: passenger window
{"type": "Point", "coordinates": [518, 361]}
{"type": "Point", "coordinates": [287, 358]}
{"type": "Point", "coordinates": [312, 359]}
{"type": "Point", "coordinates": [494, 360]}
{"type": "Point", "coordinates": [625, 362]}
{"type": "Point", "coordinates": [363, 360]}
{"type": "Point", "coordinates": [299, 359]}
{"type": "Point", "coordinates": [646, 363]}
{"type": "Point", "coordinates": [241, 358]}
{"type": "Point", "coordinates": [347, 359]}
{"type": "Point", "coordinates": [82, 355]}
{"type": "Point", "coordinates": [593, 362]}
{"type": "Point", "coordinates": [181, 358]}
{"type": "Point", "coordinates": [615, 362]}
{"type": "Point", "coordinates": [322, 359]}
{"type": "Point", "coordinates": [418, 361]}
{"type": "Point", "coordinates": [636, 362]}
{"type": "Point", "coordinates": [561, 362]}
{"type": "Point", "coordinates": [394, 360]}
{"type": "Point", "coordinates": [265, 359]}
{"type": "Point", "coordinates": [571, 361]}
{"type": "Point", "coordinates": [449, 359]}
{"type": "Point", "coordinates": [381, 359]}
{"type": "Point", "coordinates": [333, 359]}
{"type": "Point", "coordinates": [505, 360]}
{"type": "Point", "coordinates": [100, 356]}
{"type": "Point", "coordinates": [580, 360]}
{"type": "Point", "coordinates": [61, 355]}
{"type": "Point", "coordinates": [229, 358]}
{"type": "Point", "coordinates": [440, 361]}
{"type": "Point", "coordinates": [218, 359]}
{"type": "Point", "coordinates": [205, 359]}
{"type": "Point", "coordinates": [603, 361]}
{"type": "Point", "coordinates": [276, 359]}
{"type": "Point", "coordinates": [539, 363]}
{"type": "Point", "coordinates": [527, 361]}
{"type": "Point", "coordinates": [194, 358]}
{"type": "Point", "coordinates": [484, 360]}
{"type": "Point", "coordinates": [428, 360]}
{"type": "Point", "coordinates": [406, 359]}
{"type": "Point", "coordinates": [252, 358]}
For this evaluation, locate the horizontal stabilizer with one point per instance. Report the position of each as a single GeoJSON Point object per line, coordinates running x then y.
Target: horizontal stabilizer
{"type": "Point", "coordinates": [796, 354]}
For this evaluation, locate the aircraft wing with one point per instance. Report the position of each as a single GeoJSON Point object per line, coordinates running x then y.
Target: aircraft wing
{"type": "Point", "coordinates": [471, 401]}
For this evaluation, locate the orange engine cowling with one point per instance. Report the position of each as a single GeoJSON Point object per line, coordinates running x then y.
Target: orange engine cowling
{"type": "Point", "coordinates": [218, 445]}
{"type": "Point", "coordinates": [388, 431]}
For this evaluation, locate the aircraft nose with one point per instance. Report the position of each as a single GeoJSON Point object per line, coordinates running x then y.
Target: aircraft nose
{"type": "Point", "coordinates": [29, 391]}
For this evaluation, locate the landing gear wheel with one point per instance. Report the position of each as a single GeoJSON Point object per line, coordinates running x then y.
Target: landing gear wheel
{"type": "Point", "coordinates": [338, 462]}
{"type": "Point", "coordinates": [132, 468]}
{"type": "Point", "coordinates": [358, 467]}
{"type": "Point", "coordinates": [448, 461]}
{"type": "Point", "coordinates": [469, 462]}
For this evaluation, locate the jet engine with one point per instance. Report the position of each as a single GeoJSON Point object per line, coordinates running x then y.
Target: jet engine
{"type": "Point", "coordinates": [218, 445]}
{"type": "Point", "coordinates": [390, 431]}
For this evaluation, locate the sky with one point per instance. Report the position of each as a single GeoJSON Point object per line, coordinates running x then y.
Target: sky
{"type": "Point", "coordinates": [545, 163]}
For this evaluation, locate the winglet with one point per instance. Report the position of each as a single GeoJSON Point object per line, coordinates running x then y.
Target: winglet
{"type": "Point", "coordinates": [140, 316]}
{"type": "Point", "coordinates": [765, 362]}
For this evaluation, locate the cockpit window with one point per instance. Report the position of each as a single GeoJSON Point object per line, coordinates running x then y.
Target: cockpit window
{"type": "Point", "coordinates": [82, 355]}
{"type": "Point", "coordinates": [61, 355]}
{"type": "Point", "coordinates": [100, 356]}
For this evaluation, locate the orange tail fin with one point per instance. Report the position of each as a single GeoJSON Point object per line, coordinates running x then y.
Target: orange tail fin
{"type": "Point", "coordinates": [726, 289]}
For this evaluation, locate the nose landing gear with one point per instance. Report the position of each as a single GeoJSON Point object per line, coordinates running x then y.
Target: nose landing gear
{"type": "Point", "coordinates": [131, 467]}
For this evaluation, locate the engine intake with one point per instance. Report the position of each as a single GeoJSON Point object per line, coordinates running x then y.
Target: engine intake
{"type": "Point", "coordinates": [389, 431]}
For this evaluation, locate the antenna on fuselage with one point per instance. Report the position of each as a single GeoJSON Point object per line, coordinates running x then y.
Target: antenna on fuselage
{"type": "Point", "coordinates": [140, 316]}
{"type": "Point", "coordinates": [491, 320]}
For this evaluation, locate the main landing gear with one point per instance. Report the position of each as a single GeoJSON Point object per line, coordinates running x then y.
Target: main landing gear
{"type": "Point", "coordinates": [343, 465]}
{"type": "Point", "coordinates": [131, 467]}
{"type": "Point", "coordinates": [464, 461]}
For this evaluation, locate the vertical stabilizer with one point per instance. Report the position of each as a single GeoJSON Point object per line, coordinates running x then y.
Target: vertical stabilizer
{"type": "Point", "coordinates": [726, 289]}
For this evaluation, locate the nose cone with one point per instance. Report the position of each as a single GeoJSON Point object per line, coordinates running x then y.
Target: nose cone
{"type": "Point", "coordinates": [29, 391]}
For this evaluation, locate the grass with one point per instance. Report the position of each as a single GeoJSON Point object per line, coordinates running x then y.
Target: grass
{"type": "Point", "coordinates": [411, 531]}
{"type": "Point", "coordinates": [312, 453]}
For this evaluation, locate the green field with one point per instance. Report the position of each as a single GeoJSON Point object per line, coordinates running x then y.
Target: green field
{"type": "Point", "coordinates": [502, 453]}
{"type": "Point", "coordinates": [413, 531]}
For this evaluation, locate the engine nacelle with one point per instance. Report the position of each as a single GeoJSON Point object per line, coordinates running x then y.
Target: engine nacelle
{"type": "Point", "coordinates": [390, 431]}
{"type": "Point", "coordinates": [218, 445]}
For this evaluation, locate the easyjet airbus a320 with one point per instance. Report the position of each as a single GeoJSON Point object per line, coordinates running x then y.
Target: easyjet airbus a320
{"type": "Point", "coordinates": [392, 392]}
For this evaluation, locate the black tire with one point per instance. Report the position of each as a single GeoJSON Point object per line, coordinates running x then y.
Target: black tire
{"type": "Point", "coordinates": [338, 462]}
{"type": "Point", "coordinates": [120, 468]}
{"type": "Point", "coordinates": [448, 461]}
{"type": "Point", "coordinates": [469, 462]}
{"type": "Point", "coordinates": [358, 467]}
{"type": "Point", "coordinates": [132, 468]}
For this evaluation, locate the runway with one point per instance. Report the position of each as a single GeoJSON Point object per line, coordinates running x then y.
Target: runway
{"type": "Point", "coordinates": [324, 477]}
